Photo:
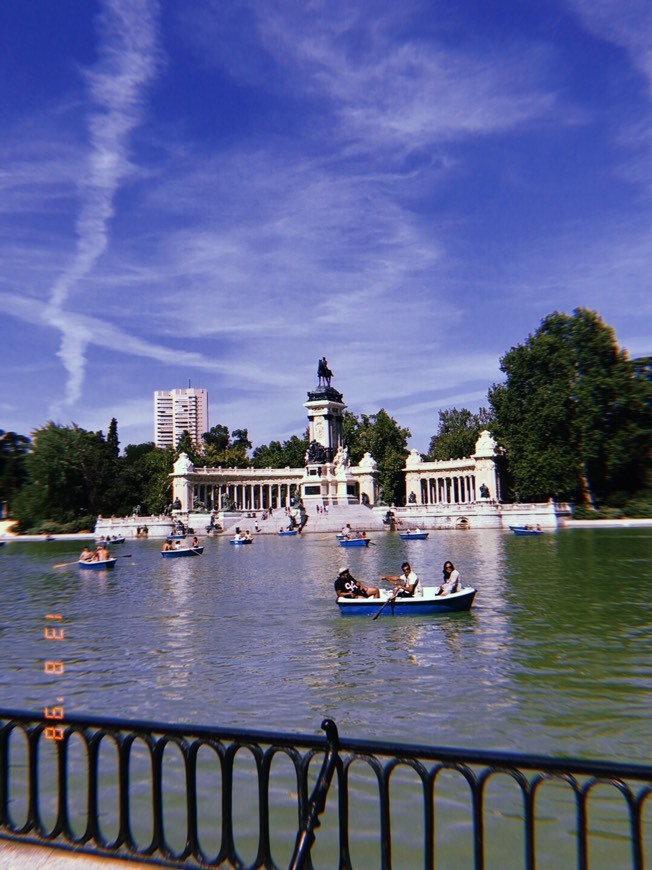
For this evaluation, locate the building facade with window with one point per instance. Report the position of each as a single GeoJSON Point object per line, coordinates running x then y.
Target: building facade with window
{"type": "Point", "coordinates": [179, 411]}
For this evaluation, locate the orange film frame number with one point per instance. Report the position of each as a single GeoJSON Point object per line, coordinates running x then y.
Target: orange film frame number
{"type": "Point", "coordinates": [54, 712]}
{"type": "Point", "coordinates": [54, 733]}
{"type": "Point", "coordinates": [54, 667]}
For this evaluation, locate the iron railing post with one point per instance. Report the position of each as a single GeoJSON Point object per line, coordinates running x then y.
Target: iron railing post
{"type": "Point", "coordinates": [317, 803]}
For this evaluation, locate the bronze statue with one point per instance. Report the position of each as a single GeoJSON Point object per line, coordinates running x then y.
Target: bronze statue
{"type": "Point", "coordinates": [324, 374]}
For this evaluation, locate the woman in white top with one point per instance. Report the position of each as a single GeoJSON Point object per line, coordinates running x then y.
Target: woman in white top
{"type": "Point", "coordinates": [452, 580]}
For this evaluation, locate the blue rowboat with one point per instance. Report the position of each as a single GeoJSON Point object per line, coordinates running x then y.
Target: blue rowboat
{"type": "Point", "coordinates": [116, 539]}
{"type": "Point", "coordinates": [241, 541]}
{"type": "Point", "coordinates": [182, 551]}
{"type": "Point", "coordinates": [427, 605]}
{"type": "Point", "coordinates": [176, 537]}
{"type": "Point", "coordinates": [102, 565]}
{"type": "Point", "coordinates": [354, 542]}
{"type": "Point", "coordinates": [413, 536]}
{"type": "Point", "coordinates": [290, 532]}
{"type": "Point", "coordinates": [524, 530]}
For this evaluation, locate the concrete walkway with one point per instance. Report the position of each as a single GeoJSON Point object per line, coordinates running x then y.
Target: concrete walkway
{"type": "Point", "coordinates": [15, 855]}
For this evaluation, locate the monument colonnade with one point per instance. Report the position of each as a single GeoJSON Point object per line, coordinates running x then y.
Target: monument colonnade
{"type": "Point", "coordinates": [246, 489]}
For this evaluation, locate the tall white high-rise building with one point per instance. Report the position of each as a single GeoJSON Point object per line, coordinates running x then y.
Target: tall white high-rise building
{"type": "Point", "coordinates": [176, 411]}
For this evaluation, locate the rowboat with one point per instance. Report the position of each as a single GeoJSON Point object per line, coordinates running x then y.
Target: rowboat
{"type": "Point", "coordinates": [428, 604]}
{"type": "Point", "coordinates": [175, 537]}
{"type": "Point", "coordinates": [288, 532]}
{"type": "Point", "coordinates": [354, 542]}
{"type": "Point", "coordinates": [525, 530]}
{"type": "Point", "coordinates": [182, 551]}
{"type": "Point", "coordinates": [101, 565]}
{"type": "Point", "coordinates": [413, 536]}
{"type": "Point", "coordinates": [241, 541]}
{"type": "Point", "coordinates": [116, 539]}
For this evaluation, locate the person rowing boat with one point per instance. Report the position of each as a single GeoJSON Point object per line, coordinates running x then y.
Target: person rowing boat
{"type": "Point", "coordinates": [408, 583]}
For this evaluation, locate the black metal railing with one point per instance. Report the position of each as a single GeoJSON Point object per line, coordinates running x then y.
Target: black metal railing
{"type": "Point", "coordinates": [177, 795]}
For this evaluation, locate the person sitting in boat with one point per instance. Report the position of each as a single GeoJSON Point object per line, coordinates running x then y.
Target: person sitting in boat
{"type": "Point", "coordinates": [195, 542]}
{"type": "Point", "coordinates": [452, 580]}
{"type": "Point", "coordinates": [102, 553]}
{"type": "Point", "coordinates": [86, 555]}
{"type": "Point", "coordinates": [247, 535]}
{"type": "Point", "coordinates": [167, 545]}
{"type": "Point", "coordinates": [346, 586]}
{"type": "Point", "coordinates": [346, 530]}
{"type": "Point", "coordinates": [408, 582]}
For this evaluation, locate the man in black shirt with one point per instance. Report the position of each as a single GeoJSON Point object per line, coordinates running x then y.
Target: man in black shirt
{"type": "Point", "coordinates": [347, 586]}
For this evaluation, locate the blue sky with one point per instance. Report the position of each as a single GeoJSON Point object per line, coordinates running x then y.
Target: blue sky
{"type": "Point", "coordinates": [222, 192]}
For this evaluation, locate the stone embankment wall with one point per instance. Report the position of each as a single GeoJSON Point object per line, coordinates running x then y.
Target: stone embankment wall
{"type": "Point", "coordinates": [479, 515]}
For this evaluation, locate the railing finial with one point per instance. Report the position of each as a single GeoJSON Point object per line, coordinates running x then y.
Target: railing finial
{"type": "Point", "coordinates": [332, 734]}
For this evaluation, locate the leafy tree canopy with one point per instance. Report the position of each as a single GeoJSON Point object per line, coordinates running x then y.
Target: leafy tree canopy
{"type": "Point", "coordinates": [571, 413]}
{"type": "Point", "coordinates": [276, 454]}
{"type": "Point", "coordinates": [217, 438]}
{"type": "Point", "coordinates": [380, 435]}
{"type": "Point", "coordinates": [457, 433]}
{"type": "Point", "coordinates": [221, 448]}
{"type": "Point", "coordinates": [68, 472]}
{"type": "Point", "coordinates": [13, 450]}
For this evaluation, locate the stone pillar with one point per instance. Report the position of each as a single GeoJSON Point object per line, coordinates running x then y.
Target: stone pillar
{"type": "Point", "coordinates": [486, 471]}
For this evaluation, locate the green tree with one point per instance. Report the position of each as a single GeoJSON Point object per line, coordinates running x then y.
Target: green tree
{"type": "Point", "coordinates": [571, 413]}
{"type": "Point", "coordinates": [240, 438]}
{"type": "Point", "coordinates": [156, 493]}
{"type": "Point", "coordinates": [186, 445]}
{"type": "Point", "coordinates": [112, 443]}
{"type": "Point", "coordinates": [458, 432]}
{"type": "Point", "coordinates": [217, 438]}
{"type": "Point", "coordinates": [222, 449]}
{"type": "Point", "coordinates": [278, 454]}
{"type": "Point", "coordinates": [382, 437]}
{"type": "Point", "coordinates": [66, 476]}
{"type": "Point", "coordinates": [132, 480]}
{"type": "Point", "coordinates": [13, 449]}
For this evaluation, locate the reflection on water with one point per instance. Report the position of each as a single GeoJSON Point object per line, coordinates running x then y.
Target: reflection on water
{"type": "Point", "coordinates": [554, 656]}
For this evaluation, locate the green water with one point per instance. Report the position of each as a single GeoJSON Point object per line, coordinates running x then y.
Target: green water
{"type": "Point", "coordinates": [554, 658]}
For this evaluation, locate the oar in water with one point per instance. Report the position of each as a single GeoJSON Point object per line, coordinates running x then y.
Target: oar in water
{"type": "Point", "coordinates": [76, 562]}
{"type": "Point", "coordinates": [390, 600]}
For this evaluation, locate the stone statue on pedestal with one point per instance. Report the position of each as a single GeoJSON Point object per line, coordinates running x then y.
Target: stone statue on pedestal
{"type": "Point", "coordinates": [341, 459]}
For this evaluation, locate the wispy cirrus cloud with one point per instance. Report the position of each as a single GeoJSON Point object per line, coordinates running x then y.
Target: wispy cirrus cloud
{"type": "Point", "coordinates": [128, 59]}
{"type": "Point", "coordinates": [626, 23]}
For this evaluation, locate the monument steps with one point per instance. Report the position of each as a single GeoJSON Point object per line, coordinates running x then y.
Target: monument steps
{"type": "Point", "coordinates": [359, 517]}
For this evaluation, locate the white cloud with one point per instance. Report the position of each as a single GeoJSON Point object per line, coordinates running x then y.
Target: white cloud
{"type": "Point", "coordinates": [128, 62]}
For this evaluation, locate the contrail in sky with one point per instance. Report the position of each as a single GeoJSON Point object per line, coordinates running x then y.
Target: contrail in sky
{"type": "Point", "coordinates": [128, 60]}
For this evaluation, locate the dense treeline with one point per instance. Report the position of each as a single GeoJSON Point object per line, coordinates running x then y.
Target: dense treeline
{"type": "Point", "coordinates": [572, 417]}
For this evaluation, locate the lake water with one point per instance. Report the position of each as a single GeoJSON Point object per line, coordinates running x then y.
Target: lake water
{"type": "Point", "coordinates": [555, 656]}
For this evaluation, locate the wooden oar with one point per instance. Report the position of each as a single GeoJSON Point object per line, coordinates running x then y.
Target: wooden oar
{"type": "Point", "coordinates": [389, 600]}
{"type": "Point", "coordinates": [76, 562]}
